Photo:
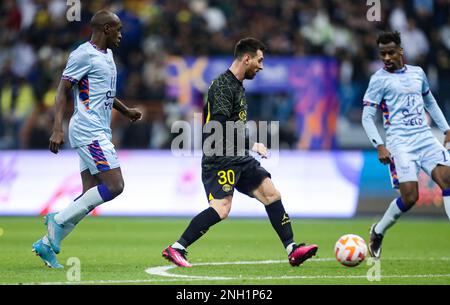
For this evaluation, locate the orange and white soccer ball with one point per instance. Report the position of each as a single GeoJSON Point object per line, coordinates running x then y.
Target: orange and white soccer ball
{"type": "Point", "coordinates": [350, 250]}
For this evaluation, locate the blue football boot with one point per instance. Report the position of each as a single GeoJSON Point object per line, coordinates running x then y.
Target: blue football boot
{"type": "Point", "coordinates": [46, 254]}
{"type": "Point", "coordinates": [55, 232]}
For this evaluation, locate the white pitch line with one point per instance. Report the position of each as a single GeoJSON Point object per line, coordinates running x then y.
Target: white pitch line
{"type": "Point", "coordinates": [163, 270]}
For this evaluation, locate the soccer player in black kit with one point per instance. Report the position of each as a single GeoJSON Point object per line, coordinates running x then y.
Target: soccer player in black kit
{"type": "Point", "coordinates": [233, 167]}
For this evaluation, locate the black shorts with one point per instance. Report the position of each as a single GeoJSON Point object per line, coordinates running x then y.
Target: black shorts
{"type": "Point", "coordinates": [245, 177]}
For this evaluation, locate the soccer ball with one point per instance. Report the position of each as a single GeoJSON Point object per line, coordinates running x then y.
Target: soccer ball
{"type": "Point", "coordinates": [350, 250]}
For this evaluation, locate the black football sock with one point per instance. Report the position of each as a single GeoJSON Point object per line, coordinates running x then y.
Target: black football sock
{"type": "Point", "coordinates": [198, 226]}
{"type": "Point", "coordinates": [281, 222]}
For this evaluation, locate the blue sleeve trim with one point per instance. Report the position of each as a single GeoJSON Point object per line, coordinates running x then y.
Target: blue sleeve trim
{"type": "Point", "coordinates": [426, 93]}
{"type": "Point", "coordinates": [370, 104]}
{"type": "Point", "coordinates": [70, 79]}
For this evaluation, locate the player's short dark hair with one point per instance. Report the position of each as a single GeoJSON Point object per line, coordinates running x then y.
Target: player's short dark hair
{"type": "Point", "coordinates": [248, 45]}
{"type": "Point", "coordinates": [101, 18]}
{"type": "Point", "coordinates": [388, 37]}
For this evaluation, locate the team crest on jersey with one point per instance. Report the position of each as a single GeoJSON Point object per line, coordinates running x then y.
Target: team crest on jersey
{"type": "Point", "coordinates": [227, 188]}
{"type": "Point", "coordinates": [243, 115]}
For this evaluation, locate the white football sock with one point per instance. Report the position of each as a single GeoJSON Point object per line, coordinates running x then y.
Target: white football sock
{"type": "Point", "coordinates": [390, 217]}
{"type": "Point", "coordinates": [447, 205]}
{"type": "Point", "coordinates": [79, 208]}
{"type": "Point", "coordinates": [178, 246]}
{"type": "Point", "coordinates": [289, 248]}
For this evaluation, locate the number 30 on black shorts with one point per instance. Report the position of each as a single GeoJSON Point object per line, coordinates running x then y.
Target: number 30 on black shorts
{"type": "Point", "coordinates": [220, 183]}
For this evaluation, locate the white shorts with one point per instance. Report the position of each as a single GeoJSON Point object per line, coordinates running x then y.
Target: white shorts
{"type": "Point", "coordinates": [407, 161]}
{"type": "Point", "coordinates": [99, 156]}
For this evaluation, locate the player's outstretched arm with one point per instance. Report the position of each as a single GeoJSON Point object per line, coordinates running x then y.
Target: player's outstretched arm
{"type": "Point", "coordinates": [62, 95]}
{"type": "Point", "coordinates": [133, 114]}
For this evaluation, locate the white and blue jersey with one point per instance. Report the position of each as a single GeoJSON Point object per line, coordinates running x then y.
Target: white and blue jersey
{"type": "Point", "coordinates": [399, 96]}
{"type": "Point", "coordinates": [403, 96]}
{"type": "Point", "coordinates": [93, 74]}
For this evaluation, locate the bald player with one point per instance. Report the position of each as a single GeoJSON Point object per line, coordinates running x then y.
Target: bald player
{"type": "Point", "coordinates": [90, 77]}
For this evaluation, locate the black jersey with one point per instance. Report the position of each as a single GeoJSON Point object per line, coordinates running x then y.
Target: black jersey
{"type": "Point", "coordinates": [225, 102]}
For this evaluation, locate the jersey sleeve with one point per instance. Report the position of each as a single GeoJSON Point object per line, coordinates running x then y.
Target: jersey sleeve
{"type": "Point", "coordinates": [374, 93]}
{"type": "Point", "coordinates": [425, 83]}
{"type": "Point", "coordinates": [77, 67]}
{"type": "Point", "coordinates": [368, 122]}
{"type": "Point", "coordinates": [221, 101]}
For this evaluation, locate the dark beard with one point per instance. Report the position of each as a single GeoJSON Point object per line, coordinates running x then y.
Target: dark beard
{"type": "Point", "coordinates": [249, 75]}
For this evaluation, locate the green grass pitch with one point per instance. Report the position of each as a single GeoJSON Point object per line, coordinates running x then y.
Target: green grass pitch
{"type": "Point", "coordinates": [237, 251]}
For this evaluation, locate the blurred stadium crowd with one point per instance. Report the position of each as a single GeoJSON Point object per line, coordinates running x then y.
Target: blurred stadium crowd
{"type": "Point", "coordinates": [36, 38]}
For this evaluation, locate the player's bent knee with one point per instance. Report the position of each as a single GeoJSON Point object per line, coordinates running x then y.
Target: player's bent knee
{"type": "Point", "coordinates": [115, 189]}
{"type": "Point", "coordinates": [222, 207]}
{"type": "Point", "coordinates": [444, 182]}
{"type": "Point", "coordinates": [222, 211]}
{"type": "Point", "coordinates": [119, 188]}
{"type": "Point", "coordinates": [275, 196]}
{"type": "Point", "coordinates": [272, 197]}
{"type": "Point", "coordinates": [441, 175]}
{"type": "Point", "coordinates": [223, 214]}
{"type": "Point", "coordinates": [410, 199]}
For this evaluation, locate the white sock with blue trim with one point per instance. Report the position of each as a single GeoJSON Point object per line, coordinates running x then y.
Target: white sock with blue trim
{"type": "Point", "coordinates": [446, 196]}
{"type": "Point", "coordinates": [393, 212]}
{"type": "Point", "coordinates": [83, 205]}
